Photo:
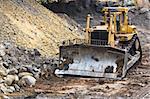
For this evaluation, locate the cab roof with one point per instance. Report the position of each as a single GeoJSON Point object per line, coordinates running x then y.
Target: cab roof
{"type": "Point", "coordinates": [115, 9]}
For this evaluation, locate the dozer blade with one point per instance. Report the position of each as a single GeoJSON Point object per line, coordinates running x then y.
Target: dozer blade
{"type": "Point", "coordinates": [94, 61]}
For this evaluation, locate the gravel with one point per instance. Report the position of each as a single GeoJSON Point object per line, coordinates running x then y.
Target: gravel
{"type": "Point", "coordinates": [20, 67]}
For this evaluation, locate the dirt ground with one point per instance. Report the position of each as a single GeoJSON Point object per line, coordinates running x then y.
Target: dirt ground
{"type": "Point", "coordinates": [136, 84]}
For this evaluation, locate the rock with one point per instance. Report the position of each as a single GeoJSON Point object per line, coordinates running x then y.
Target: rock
{"type": "Point", "coordinates": [2, 50]}
{"type": "Point", "coordinates": [30, 80]}
{"type": "Point", "coordinates": [29, 68]}
{"type": "Point", "coordinates": [148, 15]}
{"type": "Point", "coordinates": [22, 82]}
{"type": "Point", "coordinates": [143, 10]}
{"type": "Point", "coordinates": [4, 89]}
{"type": "Point", "coordinates": [36, 52]}
{"type": "Point", "coordinates": [25, 74]}
{"type": "Point", "coordinates": [1, 80]}
{"type": "Point", "coordinates": [22, 69]}
{"type": "Point", "coordinates": [17, 87]}
{"type": "Point", "coordinates": [2, 47]}
{"type": "Point", "coordinates": [2, 53]}
{"type": "Point", "coordinates": [47, 61]}
{"type": "Point", "coordinates": [1, 58]}
{"type": "Point", "coordinates": [3, 70]}
{"type": "Point", "coordinates": [8, 45]}
{"type": "Point", "coordinates": [35, 69]}
{"type": "Point", "coordinates": [53, 67]}
{"type": "Point", "coordinates": [16, 78]}
{"type": "Point", "coordinates": [6, 64]}
{"type": "Point", "coordinates": [37, 75]}
{"type": "Point", "coordinates": [13, 71]}
{"type": "Point", "coordinates": [10, 79]}
{"type": "Point", "coordinates": [14, 60]}
{"type": "Point", "coordinates": [147, 46]}
{"type": "Point", "coordinates": [107, 87]}
{"type": "Point", "coordinates": [12, 88]}
{"type": "Point", "coordinates": [27, 81]}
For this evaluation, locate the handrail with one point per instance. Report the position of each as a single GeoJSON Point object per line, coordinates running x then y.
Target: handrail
{"type": "Point", "coordinates": [83, 41]}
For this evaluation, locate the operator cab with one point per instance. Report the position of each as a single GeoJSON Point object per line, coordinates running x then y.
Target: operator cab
{"type": "Point", "coordinates": [115, 22]}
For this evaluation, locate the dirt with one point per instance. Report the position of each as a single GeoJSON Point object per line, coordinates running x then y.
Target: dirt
{"type": "Point", "coordinates": [31, 25]}
{"type": "Point", "coordinates": [141, 17]}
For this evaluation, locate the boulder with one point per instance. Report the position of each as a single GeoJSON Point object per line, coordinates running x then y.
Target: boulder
{"type": "Point", "coordinates": [27, 81]}
{"type": "Point", "coordinates": [10, 79]}
{"type": "Point", "coordinates": [12, 88]}
{"type": "Point", "coordinates": [25, 74]}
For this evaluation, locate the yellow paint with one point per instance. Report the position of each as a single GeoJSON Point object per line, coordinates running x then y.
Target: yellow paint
{"type": "Point", "coordinates": [125, 32]}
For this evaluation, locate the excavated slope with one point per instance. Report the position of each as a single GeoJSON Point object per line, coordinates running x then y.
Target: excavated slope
{"type": "Point", "coordinates": [31, 25]}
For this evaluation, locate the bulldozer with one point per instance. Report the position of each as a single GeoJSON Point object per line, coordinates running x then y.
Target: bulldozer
{"type": "Point", "coordinates": [108, 50]}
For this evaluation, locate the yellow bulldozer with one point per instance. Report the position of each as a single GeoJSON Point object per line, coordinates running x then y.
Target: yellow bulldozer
{"type": "Point", "coordinates": [109, 50]}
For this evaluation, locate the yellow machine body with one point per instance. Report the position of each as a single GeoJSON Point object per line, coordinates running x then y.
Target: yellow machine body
{"type": "Point", "coordinates": [125, 31]}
